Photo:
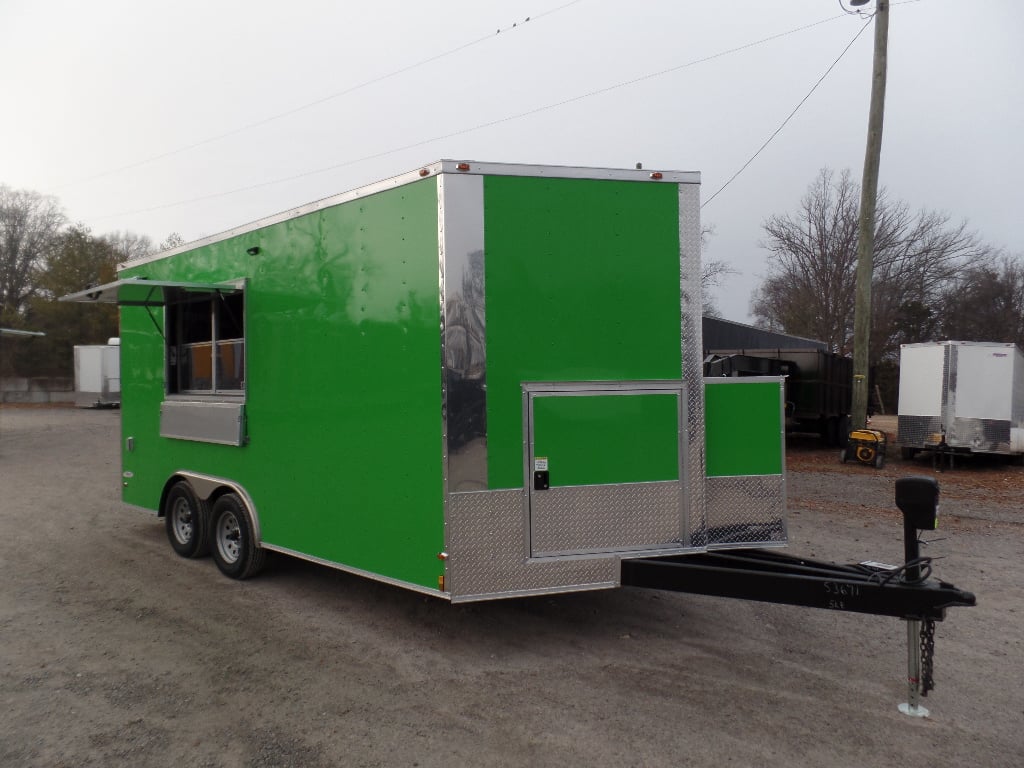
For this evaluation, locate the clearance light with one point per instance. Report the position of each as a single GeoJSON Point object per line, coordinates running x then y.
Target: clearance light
{"type": "Point", "coordinates": [424, 171]}
{"type": "Point", "coordinates": [656, 175]}
{"type": "Point", "coordinates": [462, 167]}
{"type": "Point", "coordinates": [442, 555]}
{"type": "Point", "coordinates": [440, 582]}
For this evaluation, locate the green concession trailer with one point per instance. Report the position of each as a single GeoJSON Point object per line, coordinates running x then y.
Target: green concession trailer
{"type": "Point", "coordinates": [473, 380]}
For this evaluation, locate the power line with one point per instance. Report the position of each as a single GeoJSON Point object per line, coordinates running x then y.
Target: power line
{"type": "Point", "coordinates": [481, 126]}
{"type": "Point", "coordinates": [790, 116]}
{"type": "Point", "coordinates": [315, 102]}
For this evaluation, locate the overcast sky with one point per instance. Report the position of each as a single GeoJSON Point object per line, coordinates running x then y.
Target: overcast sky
{"type": "Point", "coordinates": [195, 116]}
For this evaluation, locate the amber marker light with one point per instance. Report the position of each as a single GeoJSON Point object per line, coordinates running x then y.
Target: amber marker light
{"type": "Point", "coordinates": [462, 167]}
{"type": "Point", "coordinates": [424, 171]}
{"type": "Point", "coordinates": [656, 175]}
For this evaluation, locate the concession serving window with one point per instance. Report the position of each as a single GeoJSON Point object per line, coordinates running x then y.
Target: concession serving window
{"type": "Point", "coordinates": [203, 333]}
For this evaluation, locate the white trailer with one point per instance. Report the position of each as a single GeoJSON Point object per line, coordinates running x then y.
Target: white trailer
{"type": "Point", "coordinates": [98, 374]}
{"type": "Point", "coordinates": [961, 396]}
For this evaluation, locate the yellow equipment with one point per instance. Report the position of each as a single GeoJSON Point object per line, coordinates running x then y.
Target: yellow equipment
{"type": "Point", "coordinates": [867, 446]}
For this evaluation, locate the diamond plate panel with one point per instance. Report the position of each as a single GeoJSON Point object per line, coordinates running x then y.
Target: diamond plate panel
{"type": "Point", "coordinates": [487, 543]}
{"type": "Point", "coordinates": [602, 518]}
{"type": "Point", "coordinates": [746, 510]}
{"type": "Point", "coordinates": [692, 350]}
{"type": "Point", "coordinates": [918, 431]}
{"type": "Point", "coordinates": [980, 435]}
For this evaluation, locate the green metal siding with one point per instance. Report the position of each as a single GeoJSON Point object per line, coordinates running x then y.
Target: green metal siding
{"type": "Point", "coordinates": [600, 439]}
{"type": "Point", "coordinates": [343, 401]}
{"type": "Point", "coordinates": [583, 284]}
{"type": "Point", "coordinates": [743, 428]}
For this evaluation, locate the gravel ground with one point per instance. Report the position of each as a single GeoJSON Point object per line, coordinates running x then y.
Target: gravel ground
{"type": "Point", "coordinates": [114, 651]}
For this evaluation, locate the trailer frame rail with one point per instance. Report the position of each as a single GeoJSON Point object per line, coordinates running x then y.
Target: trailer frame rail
{"type": "Point", "coordinates": [775, 577]}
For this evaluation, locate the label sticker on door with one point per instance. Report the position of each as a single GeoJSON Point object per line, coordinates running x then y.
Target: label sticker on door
{"type": "Point", "coordinates": [540, 464]}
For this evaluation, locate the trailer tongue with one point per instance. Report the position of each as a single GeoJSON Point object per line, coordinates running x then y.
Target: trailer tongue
{"type": "Point", "coordinates": [905, 591]}
{"type": "Point", "coordinates": [774, 577]}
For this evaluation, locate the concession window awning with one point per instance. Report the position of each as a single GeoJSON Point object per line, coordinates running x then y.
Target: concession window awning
{"type": "Point", "coordinates": [139, 292]}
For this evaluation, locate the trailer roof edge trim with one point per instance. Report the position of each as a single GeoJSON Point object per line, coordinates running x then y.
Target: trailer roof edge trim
{"type": "Point", "coordinates": [455, 167]}
{"type": "Point", "coordinates": [951, 343]}
{"type": "Point", "coordinates": [139, 292]}
{"type": "Point", "coordinates": [469, 167]}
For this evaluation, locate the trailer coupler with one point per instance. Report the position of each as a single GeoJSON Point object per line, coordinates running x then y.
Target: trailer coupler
{"type": "Point", "coordinates": [906, 592]}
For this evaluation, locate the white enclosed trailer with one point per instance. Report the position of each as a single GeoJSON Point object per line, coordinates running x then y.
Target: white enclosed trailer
{"type": "Point", "coordinates": [98, 374]}
{"type": "Point", "coordinates": [961, 396]}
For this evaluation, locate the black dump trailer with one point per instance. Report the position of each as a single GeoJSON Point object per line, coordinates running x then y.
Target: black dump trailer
{"type": "Point", "coordinates": [819, 384]}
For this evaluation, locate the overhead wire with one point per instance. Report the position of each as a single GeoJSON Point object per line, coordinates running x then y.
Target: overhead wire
{"type": "Point", "coordinates": [790, 116]}
{"type": "Point", "coordinates": [316, 102]}
{"type": "Point", "coordinates": [499, 121]}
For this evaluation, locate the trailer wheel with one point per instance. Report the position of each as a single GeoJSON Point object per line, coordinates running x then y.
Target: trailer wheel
{"type": "Point", "coordinates": [186, 518]}
{"type": "Point", "coordinates": [842, 455]}
{"type": "Point", "coordinates": [234, 546]}
{"type": "Point", "coordinates": [879, 460]}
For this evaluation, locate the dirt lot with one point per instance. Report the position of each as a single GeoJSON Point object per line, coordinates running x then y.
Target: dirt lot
{"type": "Point", "coordinates": [115, 651]}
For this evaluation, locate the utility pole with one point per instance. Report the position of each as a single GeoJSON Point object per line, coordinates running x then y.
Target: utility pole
{"type": "Point", "coordinates": [866, 227]}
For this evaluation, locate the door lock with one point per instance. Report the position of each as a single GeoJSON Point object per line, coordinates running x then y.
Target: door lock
{"type": "Point", "coordinates": [541, 480]}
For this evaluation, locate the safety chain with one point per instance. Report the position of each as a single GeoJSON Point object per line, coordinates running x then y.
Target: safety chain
{"type": "Point", "coordinates": [927, 655]}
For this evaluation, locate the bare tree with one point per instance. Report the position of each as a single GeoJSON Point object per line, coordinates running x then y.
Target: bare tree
{"type": "Point", "coordinates": [986, 303]}
{"type": "Point", "coordinates": [128, 245]}
{"type": "Point", "coordinates": [810, 285]}
{"type": "Point", "coordinates": [30, 225]}
{"type": "Point", "coordinates": [713, 273]}
{"type": "Point", "coordinates": [173, 240]}
{"type": "Point", "coordinates": [809, 289]}
{"type": "Point", "coordinates": [917, 257]}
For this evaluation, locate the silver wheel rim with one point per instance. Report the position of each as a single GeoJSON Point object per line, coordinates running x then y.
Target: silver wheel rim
{"type": "Point", "coordinates": [229, 537]}
{"type": "Point", "coordinates": [181, 520]}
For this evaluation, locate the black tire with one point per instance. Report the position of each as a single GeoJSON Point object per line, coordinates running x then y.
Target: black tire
{"type": "Point", "coordinates": [187, 521]}
{"type": "Point", "coordinates": [232, 540]}
{"type": "Point", "coordinates": [842, 455]}
{"type": "Point", "coordinates": [879, 460]}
